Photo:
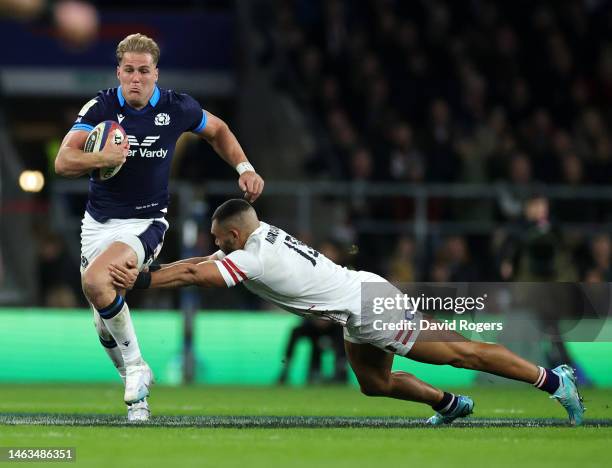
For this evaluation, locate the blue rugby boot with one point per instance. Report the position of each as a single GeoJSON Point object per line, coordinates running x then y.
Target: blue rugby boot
{"type": "Point", "coordinates": [464, 407]}
{"type": "Point", "coordinates": [567, 394]}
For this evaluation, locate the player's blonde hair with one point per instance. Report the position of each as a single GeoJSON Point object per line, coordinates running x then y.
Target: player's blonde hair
{"type": "Point", "coordinates": [138, 43]}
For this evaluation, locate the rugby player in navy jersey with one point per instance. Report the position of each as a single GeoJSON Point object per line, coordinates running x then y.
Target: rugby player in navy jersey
{"type": "Point", "coordinates": [124, 221]}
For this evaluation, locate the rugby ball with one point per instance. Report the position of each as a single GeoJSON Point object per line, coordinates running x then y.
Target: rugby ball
{"type": "Point", "coordinates": [96, 140]}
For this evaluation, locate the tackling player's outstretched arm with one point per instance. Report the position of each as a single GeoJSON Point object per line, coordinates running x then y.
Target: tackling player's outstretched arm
{"type": "Point", "coordinates": [72, 161]}
{"type": "Point", "coordinates": [191, 260]}
{"type": "Point", "coordinates": [205, 275]}
{"type": "Point", "coordinates": [224, 142]}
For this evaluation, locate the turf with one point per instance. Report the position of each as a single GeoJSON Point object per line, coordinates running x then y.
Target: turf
{"type": "Point", "coordinates": [300, 427]}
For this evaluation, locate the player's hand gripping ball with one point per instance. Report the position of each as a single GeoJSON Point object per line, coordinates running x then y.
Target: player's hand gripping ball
{"type": "Point", "coordinates": [102, 136]}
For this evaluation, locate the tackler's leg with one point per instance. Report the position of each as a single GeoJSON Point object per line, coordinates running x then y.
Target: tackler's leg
{"type": "Point", "coordinates": [448, 347]}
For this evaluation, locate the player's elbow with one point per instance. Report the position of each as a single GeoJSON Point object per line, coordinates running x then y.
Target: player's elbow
{"type": "Point", "coordinates": [61, 166]}
{"type": "Point", "coordinates": [65, 168]}
{"type": "Point", "coordinates": [224, 129]}
{"type": "Point", "coordinates": [220, 133]}
{"type": "Point", "coordinates": [206, 275]}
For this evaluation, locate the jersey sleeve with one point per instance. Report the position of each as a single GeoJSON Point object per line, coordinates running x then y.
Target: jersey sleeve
{"type": "Point", "coordinates": [218, 255]}
{"type": "Point", "coordinates": [90, 115]}
{"type": "Point", "coordinates": [238, 266]}
{"type": "Point", "coordinates": [194, 116]}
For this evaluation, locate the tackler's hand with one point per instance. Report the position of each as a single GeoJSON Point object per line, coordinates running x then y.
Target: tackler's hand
{"type": "Point", "coordinates": [123, 277]}
{"type": "Point", "coordinates": [251, 184]}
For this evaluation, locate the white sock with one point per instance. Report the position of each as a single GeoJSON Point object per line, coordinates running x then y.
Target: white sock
{"type": "Point", "coordinates": [115, 355]}
{"type": "Point", "coordinates": [118, 321]}
{"type": "Point", "coordinates": [109, 344]}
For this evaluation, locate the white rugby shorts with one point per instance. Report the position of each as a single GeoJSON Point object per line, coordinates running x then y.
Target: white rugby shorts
{"type": "Point", "coordinates": [396, 335]}
{"type": "Point", "coordinates": [145, 236]}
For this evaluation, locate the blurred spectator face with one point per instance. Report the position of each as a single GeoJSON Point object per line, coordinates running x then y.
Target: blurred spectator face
{"type": "Point", "coordinates": [336, 119]}
{"type": "Point", "coordinates": [605, 64]}
{"type": "Point", "coordinates": [520, 169]}
{"type": "Point", "coordinates": [439, 272]}
{"type": "Point", "coordinates": [520, 94]}
{"type": "Point", "coordinates": [543, 18]}
{"type": "Point", "coordinates": [417, 63]}
{"type": "Point", "coordinates": [51, 248]}
{"type": "Point", "coordinates": [358, 42]}
{"type": "Point", "coordinates": [311, 62]}
{"type": "Point", "coordinates": [402, 135]}
{"type": "Point", "coordinates": [580, 92]}
{"type": "Point", "coordinates": [346, 137]}
{"type": "Point", "coordinates": [600, 249]}
{"type": "Point", "coordinates": [378, 93]}
{"type": "Point", "coordinates": [361, 164]}
{"type": "Point", "coordinates": [542, 122]}
{"type": "Point", "coordinates": [334, 10]}
{"type": "Point", "coordinates": [593, 276]}
{"type": "Point", "coordinates": [439, 19]}
{"type": "Point", "coordinates": [508, 144]}
{"type": "Point", "coordinates": [506, 41]}
{"type": "Point", "coordinates": [439, 112]}
{"type": "Point", "coordinates": [604, 149]}
{"type": "Point", "coordinates": [405, 248]}
{"type": "Point", "coordinates": [137, 74]}
{"type": "Point", "coordinates": [537, 209]}
{"type": "Point", "coordinates": [562, 142]}
{"type": "Point", "coordinates": [330, 91]}
{"type": "Point", "coordinates": [387, 23]}
{"type": "Point", "coordinates": [369, 67]}
{"type": "Point", "coordinates": [592, 123]}
{"type": "Point", "coordinates": [407, 36]}
{"type": "Point", "coordinates": [572, 169]}
{"type": "Point", "coordinates": [497, 121]}
{"type": "Point", "coordinates": [456, 249]}
{"type": "Point", "coordinates": [560, 54]}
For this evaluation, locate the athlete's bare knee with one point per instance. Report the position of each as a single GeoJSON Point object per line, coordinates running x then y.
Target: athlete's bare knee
{"type": "Point", "coordinates": [97, 287]}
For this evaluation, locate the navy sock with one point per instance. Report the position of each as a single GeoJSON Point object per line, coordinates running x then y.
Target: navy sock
{"type": "Point", "coordinates": [447, 403]}
{"type": "Point", "coordinates": [113, 308]}
{"type": "Point", "coordinates": [547, 380]}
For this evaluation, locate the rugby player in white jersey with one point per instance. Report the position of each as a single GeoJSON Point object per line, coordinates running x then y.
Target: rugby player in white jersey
{"type": "Point", "coordinates": [124, 219]}
{"type": "Point", "coordinates": [279, 268]}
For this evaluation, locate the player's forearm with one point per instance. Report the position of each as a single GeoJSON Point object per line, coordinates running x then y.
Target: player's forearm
{"type": "Point", "coordinates": [193, 260]}
{"type": "Point", "coordinates": [73, 162]}
{"type": "Point", "coordinates": [174, 276]}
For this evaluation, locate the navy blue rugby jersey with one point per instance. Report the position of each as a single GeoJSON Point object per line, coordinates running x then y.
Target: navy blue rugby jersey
{"type": "Point", "coordinates": [140, 188]}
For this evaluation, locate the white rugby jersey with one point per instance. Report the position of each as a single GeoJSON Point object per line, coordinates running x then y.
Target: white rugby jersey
{"type": "Point", "coordinates": [281, 269]}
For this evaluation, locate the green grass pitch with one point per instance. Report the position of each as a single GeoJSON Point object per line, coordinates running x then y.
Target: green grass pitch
{"type": "Point", "coordinates": [300, 427]}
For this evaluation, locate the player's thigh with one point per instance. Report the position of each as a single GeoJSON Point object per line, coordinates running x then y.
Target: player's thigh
{"type": "Point", "coordinates": [372, 365]}
{"type": "Point", "coordinates": [118, 253]}
{"type": "Point", "coordinates": [439, 346]}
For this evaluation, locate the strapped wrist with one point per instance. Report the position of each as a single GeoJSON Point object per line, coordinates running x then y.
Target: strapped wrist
{"type": "Point", "coordinates": [244, 167]}
{"type": "Point", "coordinates": [143, 280]}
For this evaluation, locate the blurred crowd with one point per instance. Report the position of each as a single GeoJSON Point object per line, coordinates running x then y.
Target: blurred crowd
{"type": "Point", "coordinates": [511, 93]}
{"type": "Point", "coordinates": [444, 91]}
{"type": "Point", "coordinates": [440, 91]}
